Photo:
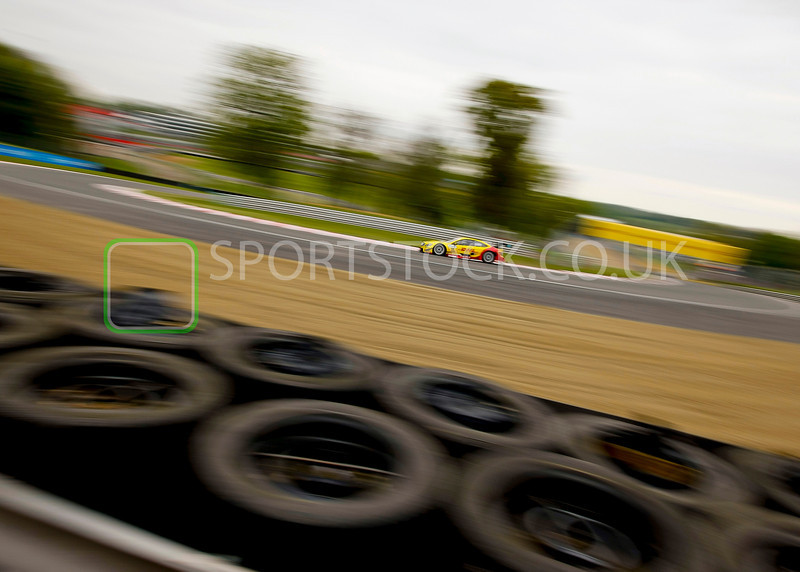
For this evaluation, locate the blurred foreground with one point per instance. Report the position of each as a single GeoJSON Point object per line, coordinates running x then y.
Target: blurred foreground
{"type": "Point", "coordinates": [226, 435]}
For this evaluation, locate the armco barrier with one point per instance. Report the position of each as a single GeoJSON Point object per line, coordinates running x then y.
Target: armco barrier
{"type": "Point", "coordinates": [51, 158]}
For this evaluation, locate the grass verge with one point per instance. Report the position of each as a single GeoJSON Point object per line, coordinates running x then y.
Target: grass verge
{"type": "Point", "coordinates": [341, 228]}
{"type": "Point", "coordinates": [751, 287]}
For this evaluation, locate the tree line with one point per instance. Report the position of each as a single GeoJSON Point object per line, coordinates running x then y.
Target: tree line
{"type": "Point", "coordinates": [261, 105]}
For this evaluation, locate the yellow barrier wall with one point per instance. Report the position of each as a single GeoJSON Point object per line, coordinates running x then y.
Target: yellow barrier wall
{"type": "Point", "coordinates": [694, 247]}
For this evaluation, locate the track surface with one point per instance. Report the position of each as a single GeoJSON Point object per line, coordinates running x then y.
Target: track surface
{"type": "Point", "coordinates": [667, 302]}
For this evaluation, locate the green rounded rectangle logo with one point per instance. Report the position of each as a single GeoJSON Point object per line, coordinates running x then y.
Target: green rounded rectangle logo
{"type": "Point", "coordinates": [120, 247]}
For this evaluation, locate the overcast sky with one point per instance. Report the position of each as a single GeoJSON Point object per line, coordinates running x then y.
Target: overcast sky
{"type": "Point", "coordinates": [684, 107]}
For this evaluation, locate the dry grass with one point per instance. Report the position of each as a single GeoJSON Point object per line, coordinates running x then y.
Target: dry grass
{"type": "Point", "coordinates": [741, 390]}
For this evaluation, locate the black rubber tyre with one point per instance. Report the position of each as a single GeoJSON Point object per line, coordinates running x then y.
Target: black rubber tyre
{"type": "Point", "coordinates": [29, 287]}
{"type": "Point", "coordinates": [465, 409]}
{"type": "Point", "coordinates": [674, 470]}
{"type": "Point", "coordinates": [551, 513]}
{"type": "Point", "coordinates": [379, 469]}
{"type": "Point", "coordinates": [488, 257]}
{"type": "Point", "coordinates": [289, 359]}
{"type": "Point", "coordinates": [21, 326]}
{"type": "Point", "coordinates": [770, 543]}
{"type": "Point", "coordinates": [85, 318]}
{"type": "Point", "coordinates": [778, 476]}
{"type": "Point", "coordinates": [107, 387]}
{"type": "Point", "coordinates": [439, 249]}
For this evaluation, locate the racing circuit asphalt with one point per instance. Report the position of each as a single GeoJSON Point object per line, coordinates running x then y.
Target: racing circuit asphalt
{"type": "Point", "coordinates": [668, 302]}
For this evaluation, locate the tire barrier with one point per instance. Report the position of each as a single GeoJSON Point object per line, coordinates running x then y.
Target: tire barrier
{"type": "Point", "coordinates": [286, 459]}
{"type": "Point", "coordinates": [673, 469]}
{"type": "Point", "coordinates": [38, 288]}
{"type": "Point", "coordinates": [305, 362]}
{"type": "Point", "coordinates": [135, 309]}
{"type": "Point", "coordinates": [107, 387]}
{"type": "Point", "coordinates": [467, 410]}
{"type": "Point", "coordinates": [105, 427]}
{"type": "Point", "coordinates": [767, 543]}
{"type": "Point", "coordinates": [548, 512]}
{"type": "Point", "coordinates": [22, 326]}
{"type": "Point", "coordinates": [230, 435]}
{"type": "Point", "coordinates": [778, 478]}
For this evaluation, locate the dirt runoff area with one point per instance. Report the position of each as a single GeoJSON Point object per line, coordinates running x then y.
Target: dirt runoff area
{"type": "Point", "coordinates": [740, 390]}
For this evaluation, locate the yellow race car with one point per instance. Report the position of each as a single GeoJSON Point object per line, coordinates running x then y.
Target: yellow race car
{"type": "Point", "coordinates": [464, 247]}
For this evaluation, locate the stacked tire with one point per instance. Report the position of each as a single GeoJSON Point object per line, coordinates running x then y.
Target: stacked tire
{"type": "Point", "coordinates": [240, 441]}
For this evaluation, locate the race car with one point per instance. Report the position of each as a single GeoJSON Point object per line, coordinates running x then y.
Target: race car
{"type": "Point", "coordinates": [464, 247]}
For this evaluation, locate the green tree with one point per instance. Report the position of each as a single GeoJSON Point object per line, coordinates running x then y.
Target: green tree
{"type": "Point", "coordinates": [33, 102]}
{"type": "Point", "coordinates": [538, 211]}
{"type": "Point", "coordinates": [775, 250]}
{"type": "Point", "coordinates": [262, 110]}
{"type": "Point", "coordinates": [504, 115]}
{"type": "Point", "coordinates": [548, 212]}
{"type": "Point", "coordinates": [354, 133]}
{"type": "Point", "coordinates": [420, 177]}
